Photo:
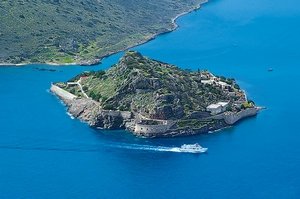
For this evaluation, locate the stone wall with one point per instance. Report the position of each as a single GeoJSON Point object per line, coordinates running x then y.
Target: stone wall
{"type": "Point", "coordinates": [90, 111]}
{"type": "Point", "coordinates": [152, 130]}
{"type": "Point", "coordinates": [61, 93]}
{"type": "Point", "coordinates": [187, 131]}
{"type": "Point", "coordinates": [126, 115]}
{"type": "Point", "coordinates": [231, 118]}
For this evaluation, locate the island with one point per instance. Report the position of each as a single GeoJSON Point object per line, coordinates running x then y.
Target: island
{"type": "Point", "coordinates": [82, 32]}
{"type": "Point", "coordinates": [151, 98]}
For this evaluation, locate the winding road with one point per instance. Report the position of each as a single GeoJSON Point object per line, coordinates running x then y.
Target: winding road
{"type": "Point", "coordinates": [78, 83]}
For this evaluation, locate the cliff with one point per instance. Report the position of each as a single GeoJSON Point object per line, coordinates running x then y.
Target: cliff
{"type": "Point", "coordinates": [154, 99]}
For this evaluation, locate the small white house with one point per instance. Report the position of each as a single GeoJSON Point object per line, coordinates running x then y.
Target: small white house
{"type": "Point", "coordinates": [223, 84]}
{"type": "Point", "coordinates": [224, 105]}
{"type": "Point", "coordinates": [215, 109]}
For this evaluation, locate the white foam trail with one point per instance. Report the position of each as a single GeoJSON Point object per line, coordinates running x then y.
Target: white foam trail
{"type": "Point", "coordinates": [150, 148]}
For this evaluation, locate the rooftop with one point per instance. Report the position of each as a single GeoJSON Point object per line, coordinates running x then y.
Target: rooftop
{"type": "Point", "coordinates": [223, 103]}
{"type": "Point", "coordinates": [214, 106]}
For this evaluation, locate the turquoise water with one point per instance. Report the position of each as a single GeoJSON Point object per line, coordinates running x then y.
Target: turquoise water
{"type": "Point", "coordinates": [46, 154]}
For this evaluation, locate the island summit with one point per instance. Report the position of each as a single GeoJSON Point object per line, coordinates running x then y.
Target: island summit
{"type": "Point", "coordinates": [154, 99]}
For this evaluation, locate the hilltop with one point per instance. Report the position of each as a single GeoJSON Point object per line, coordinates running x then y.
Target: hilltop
{"type": "Point", "coordinates": [63, 31]}
{"type": "Point", "coordinates": [166, 100]}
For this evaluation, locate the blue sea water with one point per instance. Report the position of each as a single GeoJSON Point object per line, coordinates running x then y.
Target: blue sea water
{"type": "Point", "coordinates": [46, 154]}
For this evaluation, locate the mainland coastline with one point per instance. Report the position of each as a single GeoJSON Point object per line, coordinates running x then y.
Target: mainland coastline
{"type": "Point", "coordinates": [99, 59]}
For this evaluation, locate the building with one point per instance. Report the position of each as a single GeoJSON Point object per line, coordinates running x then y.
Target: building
{"type": "Point", "coordinates": [222, 84]}
{"type": "Point", "coordinates": [215, 109]}
{"type": "Point", "coordinates": [224, 105]}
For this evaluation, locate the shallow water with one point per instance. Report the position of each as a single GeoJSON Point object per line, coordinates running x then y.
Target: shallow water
{"type": "Point", "coordinates": [46, 154]}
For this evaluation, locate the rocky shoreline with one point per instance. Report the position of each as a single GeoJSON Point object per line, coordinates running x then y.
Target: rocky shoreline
{"type": "Point", "coordinates": [89, 111]}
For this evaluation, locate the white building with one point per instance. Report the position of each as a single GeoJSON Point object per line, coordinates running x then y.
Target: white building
{"type": "Point", "coordinates": [224, 105]}
{"type": "Point", "coordinates": [215, 109]}
{"type": "Point", "coordinates": [222, 84]}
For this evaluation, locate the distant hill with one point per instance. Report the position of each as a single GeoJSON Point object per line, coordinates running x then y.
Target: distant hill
{"type": "Point", "coordinates": [66, 31]}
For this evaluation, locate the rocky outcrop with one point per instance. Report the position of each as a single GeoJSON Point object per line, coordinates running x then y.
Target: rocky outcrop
{"type": "Point", "coordinates": [91, 112]}
{"type": "Point", "coordinates": [110, 119]}
{"type": "Point", "coordinates": [167, 112]}
{"type": "Point", "coordinates": [152, 99]}
{"type": "Point", "coordinates": [83, 109]}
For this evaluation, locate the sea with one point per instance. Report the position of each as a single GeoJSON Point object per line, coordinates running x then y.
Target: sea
{"type": "Point", "coordinates": [45, 153]}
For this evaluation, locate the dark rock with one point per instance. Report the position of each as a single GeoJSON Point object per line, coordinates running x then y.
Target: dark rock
{"type": "Point", "coordinates": [163, 113]}
{"type": "Point", "coordinates": [108, 120]}
{"type": "Point", "coordinates": [140, 83]}
{"type": "Point", "coordinates": [178, 112]}
{"type": "Point", "coordinates": [167, 98]}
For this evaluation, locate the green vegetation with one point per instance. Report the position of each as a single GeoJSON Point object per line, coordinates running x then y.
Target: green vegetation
{"type": "Point", "coordinates": [155, 89]}
{"type": "Point", "coordinates": [64, 31]}
{"type": "Point", "coordinates": [248, 104]}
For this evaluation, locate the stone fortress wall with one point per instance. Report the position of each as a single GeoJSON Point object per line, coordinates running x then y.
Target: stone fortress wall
{"type": "Point", "coordinates": [137, 126]}
{"type": "Point", "coordinates": [61, 93]}
{"type": "Point", "coordinates": [160, 129]}
{"type": "Point", "coordinates": [231, 117]}
{"type": "Point", "coordinates": [152, 130]}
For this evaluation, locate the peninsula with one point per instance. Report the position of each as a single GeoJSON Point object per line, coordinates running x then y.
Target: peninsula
{"type": "Point", "coordinates": [82, 32]}
{"type": "Point", "coordinates": [154, 99]}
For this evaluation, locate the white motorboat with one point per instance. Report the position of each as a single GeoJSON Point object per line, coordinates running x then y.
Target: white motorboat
{"type": "Point", "coordinates": [192, 148]}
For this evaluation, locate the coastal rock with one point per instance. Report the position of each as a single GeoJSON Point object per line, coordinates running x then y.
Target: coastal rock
{"type": "Point", "coordinates": [82, 108]}
{"type": "Point", "coordinates": [108, 120]}
{"type": "Point", "coordinates": [89, 111]}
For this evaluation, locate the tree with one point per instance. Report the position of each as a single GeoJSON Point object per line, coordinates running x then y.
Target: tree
{"type": "Point", "coordinates": [251, 102]}
{"type": "Point", "coordinates": [236, 86]}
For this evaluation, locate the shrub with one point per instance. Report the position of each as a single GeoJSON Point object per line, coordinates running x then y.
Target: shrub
{"type": "Point", "coordinates": [236, 86]}
{"type": "Point", "coordinates": [109, 107]}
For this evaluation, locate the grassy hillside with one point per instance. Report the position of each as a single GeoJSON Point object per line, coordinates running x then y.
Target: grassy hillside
{"type": "Point", "coordinates": [65, 31]}
{"type": "Point", "coordinates": [153, 88]}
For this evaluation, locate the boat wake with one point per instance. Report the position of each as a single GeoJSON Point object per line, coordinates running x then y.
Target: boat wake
{"type": "Point", "coordinates": [59, 149]}
{"type": "Point", "coordinates": [148, 148]}
{"type": "Point", "coordinates": [98, 148]}
{"type": "Point", "coordinates": [159, 148]}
